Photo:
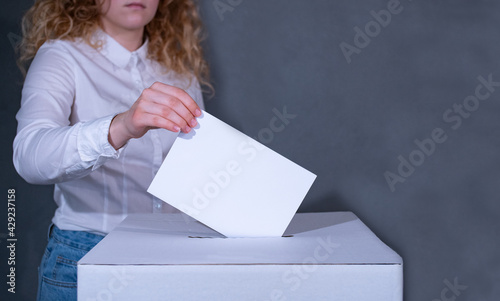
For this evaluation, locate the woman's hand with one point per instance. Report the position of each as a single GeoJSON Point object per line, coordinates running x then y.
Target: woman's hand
{"type": "Point", "coordinates": [159, 106]}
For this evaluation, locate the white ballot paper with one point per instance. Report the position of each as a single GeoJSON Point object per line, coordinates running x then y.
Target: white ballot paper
{"type": "Point", "coordinates": [230, 182]}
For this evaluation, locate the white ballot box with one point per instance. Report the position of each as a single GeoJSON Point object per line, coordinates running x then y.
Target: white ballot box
{"type": "Point", "coordinates": [322, 256]}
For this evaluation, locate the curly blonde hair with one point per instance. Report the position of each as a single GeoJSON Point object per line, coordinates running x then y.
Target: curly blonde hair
{"type": "Point", "coordinates": [174, 34]}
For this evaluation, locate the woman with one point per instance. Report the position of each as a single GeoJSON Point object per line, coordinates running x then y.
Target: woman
{"type": "Point", "coordinates": [110, 85]}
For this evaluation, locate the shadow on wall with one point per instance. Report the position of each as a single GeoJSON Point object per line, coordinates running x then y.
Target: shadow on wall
{"type": "Point", "coordinates": [332, 202]}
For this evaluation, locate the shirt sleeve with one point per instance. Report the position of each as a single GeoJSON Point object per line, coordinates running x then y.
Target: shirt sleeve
{"type": "Point", "coordinates": [47, 148]}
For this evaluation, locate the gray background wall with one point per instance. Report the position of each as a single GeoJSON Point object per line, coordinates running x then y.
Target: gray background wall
{"type": "Point", "coordinates": [353, 120]}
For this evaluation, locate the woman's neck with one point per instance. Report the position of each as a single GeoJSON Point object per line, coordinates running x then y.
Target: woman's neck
{"type": "Point", "coordinates": [130, 39]}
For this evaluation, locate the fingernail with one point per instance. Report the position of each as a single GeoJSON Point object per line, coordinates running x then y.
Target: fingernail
{"type": "Point", "coordinates": [187, 129]}
{"type": "Point", "coordinates": [193, 122]}
{"type": "Point", "coordinates": [197, 112]}
{"type": "Point", "coordinates": [176, 128]}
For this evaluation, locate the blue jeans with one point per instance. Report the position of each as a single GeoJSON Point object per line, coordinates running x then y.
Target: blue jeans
{"type": "Point", "coordinates": [57, 271]}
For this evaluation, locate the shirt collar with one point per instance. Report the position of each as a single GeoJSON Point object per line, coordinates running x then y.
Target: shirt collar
{"type": "Point", "coordinates": [116, 53]}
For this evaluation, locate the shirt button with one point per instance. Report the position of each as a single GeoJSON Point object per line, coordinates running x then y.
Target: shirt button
{"type": "Point", "coordinates": [157, 205]}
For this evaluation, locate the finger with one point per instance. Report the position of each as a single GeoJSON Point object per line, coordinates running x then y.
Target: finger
{"type": "Point", "coordinates": [158, 122]}
{"type": "Point", "coordinates": [170, 102]}
{"type": "Point", "coordinates": [180, 94]}
{"type": "Point", "coordinates": [154, 112]}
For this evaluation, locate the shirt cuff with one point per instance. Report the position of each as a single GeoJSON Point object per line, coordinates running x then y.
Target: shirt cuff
{"type": "Point", "coordinates": [93, 144]}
